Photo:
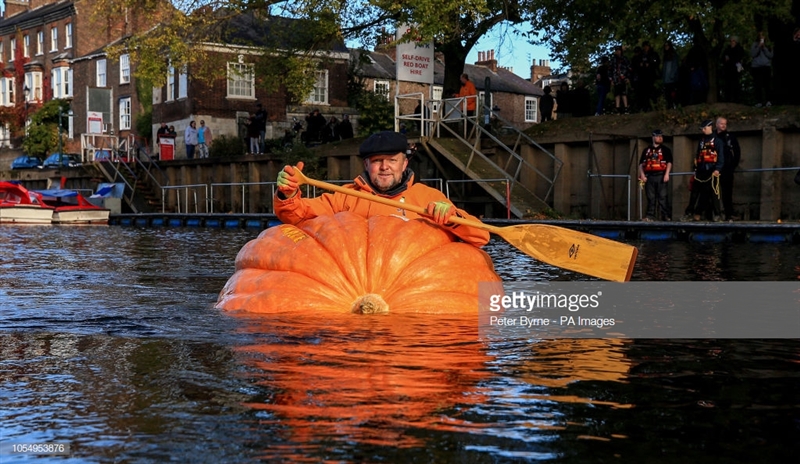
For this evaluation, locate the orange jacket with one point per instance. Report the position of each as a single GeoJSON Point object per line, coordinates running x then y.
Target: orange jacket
{"type": "Point", "coordinates": [296, 209]}
{"type": "Point", "coordinates": [467, 90]}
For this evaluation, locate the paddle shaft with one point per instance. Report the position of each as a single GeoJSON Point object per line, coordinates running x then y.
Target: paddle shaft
{"type": "Point", "coordinates": [565, 248]}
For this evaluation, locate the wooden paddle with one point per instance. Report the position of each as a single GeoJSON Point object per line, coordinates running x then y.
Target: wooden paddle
{"type": "Point", "coordinates": [560, 247]}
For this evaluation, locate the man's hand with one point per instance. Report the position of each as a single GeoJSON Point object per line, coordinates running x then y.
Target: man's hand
{"type": "Point", "coordinates": [440, 211]}
{"type": "Point", "coordinates": [287, 182]}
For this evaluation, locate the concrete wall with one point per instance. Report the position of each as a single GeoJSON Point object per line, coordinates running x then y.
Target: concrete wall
{"type": "Point", "coordinates": [765, 196]}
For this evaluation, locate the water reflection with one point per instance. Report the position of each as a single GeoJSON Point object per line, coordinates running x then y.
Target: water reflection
{"type": "Point", "coordinates": [109, 341]}
{"type": "Point", "coordinates": [366, 380]}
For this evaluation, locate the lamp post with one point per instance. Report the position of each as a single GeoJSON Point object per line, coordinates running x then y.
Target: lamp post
{"type": "Point", "coordinates": [60, 129]}
{"type": "Point", "coordinates": [26, 91]}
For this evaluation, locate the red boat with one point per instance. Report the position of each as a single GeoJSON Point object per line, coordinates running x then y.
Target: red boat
{"type": "Point", "coordinates": [72, 208]}
{"type": "Point", "coordinates": [19, 205]}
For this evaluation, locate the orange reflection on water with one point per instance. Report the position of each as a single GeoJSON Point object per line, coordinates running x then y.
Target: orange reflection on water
{"type": "Point", "coordinates": [557, 363]}
{"type": "Point", "coordinates": [366, 379]}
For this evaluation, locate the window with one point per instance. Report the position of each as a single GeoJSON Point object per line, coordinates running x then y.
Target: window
{"type": "Point", "coordinates": [530, 109]}
{"type": "Point", "coordinates": [436, 97]}
{"type": "Point", "coordinates": [67, 82]}
{"type": "Point", "coordinates": [320, 93]}
{"type": "Point", "coordinates": [125, 113]}
{"type": "Point", "coordinates": [68, 35]}
{"type": "Point", "coordinates": [170, 83]}
{"type": "Point", "coordinates": [26, 46]}
{"type": "Point", "coordinates": [241, 81]}
{"type": "Point", "coordinates": [33, 80]}
{"type": "Point", "coordinates": [124, 69]}
{"type": "Point", "coordinates": [53, 39]}
{"type": "Point", "coordinates": [7, 91]}
{"type": "Point", "coordinates": [40, 42]}
{"type": "Point", "coordinates": [12, 49]}
{"type": "Point", "coordinates": [2, 52]}
{"type": "Point", "coordinates": [60, 82]}
{"type": "Point", "coordinates": [101, 73]}
{"type": "Point", "coordinates": [382, 88]}
{"type": "Point", "coordinates": [183, 83]}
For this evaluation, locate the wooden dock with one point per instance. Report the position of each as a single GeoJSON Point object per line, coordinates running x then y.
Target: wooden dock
{"type": "Point", "coordinates": [739, 231]}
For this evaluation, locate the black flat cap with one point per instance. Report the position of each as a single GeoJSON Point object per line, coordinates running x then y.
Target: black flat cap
{"type": "Point", "coordinates": [383, 143]}
{"type": "Point", "coordinates": [706, 123]}
{"type": "Point", "coordinates": [658, 133]}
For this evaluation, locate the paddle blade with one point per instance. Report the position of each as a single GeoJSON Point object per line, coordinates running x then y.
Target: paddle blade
{"type": "Point", "coordinates": [573, 250]}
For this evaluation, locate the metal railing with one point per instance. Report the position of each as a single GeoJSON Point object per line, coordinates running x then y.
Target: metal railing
{"type": "Point", "coordinates": [506, 181]}
{"type": "Point", "coordinates": [691, 173]}
{"type": "Point", "coordinates": [177, 189]}
{"type": "Point", "coordinates": [211, 199]}
{"type": "Point", "coordinates": [618, 176]}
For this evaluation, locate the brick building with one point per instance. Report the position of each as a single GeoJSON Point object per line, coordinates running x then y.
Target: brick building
{"type": "Point", "coordinates": [54, 49]}
{"type": "Point", "coordinates": [516, 98]}
{"type": "Point", "coordinates": [226, 102]}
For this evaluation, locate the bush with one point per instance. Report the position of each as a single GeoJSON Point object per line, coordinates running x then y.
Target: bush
{"type": "Point", "coordinates": [292, 154]}
{"type": "Point", "coordinates": [226, 146]}
{"type": "Point", "coordinates": [377, 114]}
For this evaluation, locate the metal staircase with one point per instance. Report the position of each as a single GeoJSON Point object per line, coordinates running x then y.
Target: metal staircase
{"type": "Point", "coordinates": [129, 163]}
{"type": "Point", "coordinates": [496, 163]}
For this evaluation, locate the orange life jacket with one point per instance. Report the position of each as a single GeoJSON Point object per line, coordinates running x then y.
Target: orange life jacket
{"type": "Point", "coordinates": [708, 153]}
{"type": "Point", "coordinates": [654, 161]}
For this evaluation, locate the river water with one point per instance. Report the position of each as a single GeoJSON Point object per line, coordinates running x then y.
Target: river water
{"type": "Point", "coordinates": [109, 343]}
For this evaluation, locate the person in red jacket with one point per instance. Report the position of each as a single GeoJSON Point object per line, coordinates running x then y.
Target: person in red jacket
{"type": "Point", "coordinates": [386, 174]}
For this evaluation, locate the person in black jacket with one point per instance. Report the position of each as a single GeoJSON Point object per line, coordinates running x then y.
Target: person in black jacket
{"type": "Point", "coordinates": [546, 103]}
{"type": "Point", "coordinates": [709, 162]}
{"type": "Point", "coordinates": [733, 154]}
{"type": "Point", "coordinates": [603, 83]}
{"type": "Point", "coordinates": [732, 67]}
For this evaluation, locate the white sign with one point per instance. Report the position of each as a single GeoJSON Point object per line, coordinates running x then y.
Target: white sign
{"type": "Point", "coordinates": [95, 122]}
{"type": "Point", "coordinates": [414, 59]}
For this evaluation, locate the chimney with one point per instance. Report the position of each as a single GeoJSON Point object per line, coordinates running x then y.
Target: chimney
{"type": "Point", "coordinates": [538, 71]}
{"type": "Point", "coordinates": [15, 7]}
{"type": "Point", "coordinates": [487, 59]}
{"type": "Point", "coordinates": [385, 44]}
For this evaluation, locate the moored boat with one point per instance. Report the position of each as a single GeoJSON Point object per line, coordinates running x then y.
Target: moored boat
{"type": "Point", "coordinates": [73, 208]}
{"type": "Point", "coordinates": [19, 205]}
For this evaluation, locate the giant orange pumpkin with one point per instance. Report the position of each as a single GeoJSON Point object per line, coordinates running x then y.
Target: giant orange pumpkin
{"type": "Point", "coordinates": [345, 263]}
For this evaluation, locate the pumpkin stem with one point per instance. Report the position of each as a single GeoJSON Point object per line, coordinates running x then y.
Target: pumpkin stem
{"type": "Point", "coordinates": [371, 303]}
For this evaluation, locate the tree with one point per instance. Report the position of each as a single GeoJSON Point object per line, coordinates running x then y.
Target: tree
{"type": "Point", "coordinates": [579, 30]}
{"type": "Point", "coordinates": [284, 61]}
{"type": "Point", "coordinates": [43, 133]}
{"type": "Point", "coordinates": [455, 27]}
{"type": "Point", "coordinates": [187, 32]}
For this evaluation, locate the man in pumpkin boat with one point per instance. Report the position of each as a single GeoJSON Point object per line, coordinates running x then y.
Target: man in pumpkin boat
{"type": "Point", "coordinates": [386, 174]}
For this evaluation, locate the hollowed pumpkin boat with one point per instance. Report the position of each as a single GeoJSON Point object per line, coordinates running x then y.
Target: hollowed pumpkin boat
{"type": "Point", "coordinates": [345, 263]}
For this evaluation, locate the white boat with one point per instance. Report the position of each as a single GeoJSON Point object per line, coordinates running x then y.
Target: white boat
{"type": "Point", "coordinates": [19, 205]}
{"type": "Point", "coordinates": [73, 208]}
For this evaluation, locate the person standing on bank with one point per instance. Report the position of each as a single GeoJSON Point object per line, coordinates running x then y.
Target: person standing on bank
{"type": "Point", "coordinates": [733, 155]}
{"type": "Point", "coordinates": [655, 165]}
{"type": "Point", "coordinates": [761, 67]}
{"type": "Point", "coordinates": [709, 162]}
{"type": "Point", "coordinates": [190, 139]}
{"type": "Point", "coordinates": [386, 174]}
{"type": "Point", "coordinates": [469, 93]}
{"type": "Point", "coordinates": [203, 140]}
{"type": "Point", "coordinates": [261, 124]}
